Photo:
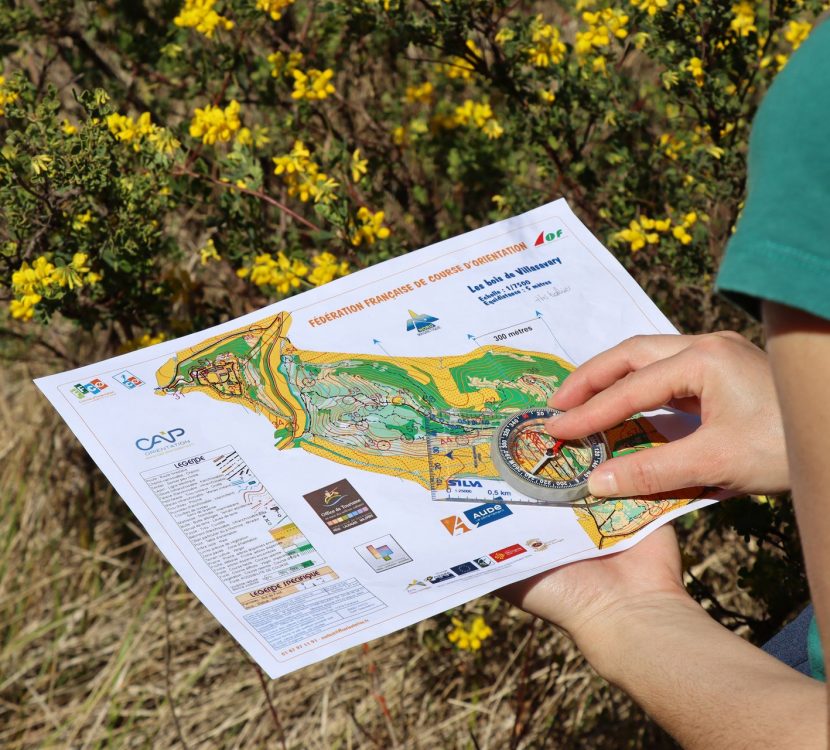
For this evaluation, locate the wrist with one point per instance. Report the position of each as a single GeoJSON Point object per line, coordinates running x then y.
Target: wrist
{"type": "Point", "coordinates": [613, 637]}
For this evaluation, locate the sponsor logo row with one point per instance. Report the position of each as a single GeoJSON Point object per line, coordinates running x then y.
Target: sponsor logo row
{"type": "Point", "coordinates": [97, 386]}
{"type": "Point", "coordinates": [454, 571]}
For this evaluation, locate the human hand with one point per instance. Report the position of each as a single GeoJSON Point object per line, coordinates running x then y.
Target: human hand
{"type": "Point", "coordinates": [592, 599]}
{"type": "Point", "coordinates": [721, 377]}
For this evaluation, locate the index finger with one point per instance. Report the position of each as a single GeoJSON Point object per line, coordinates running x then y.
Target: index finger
{"type": "Point", "coordinates": [605, 369]}
{"type": "Point", "coordinates": [644, 389]}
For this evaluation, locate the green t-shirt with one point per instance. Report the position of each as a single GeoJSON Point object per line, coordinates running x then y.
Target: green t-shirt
{"type": "Point", "coordinates": [781, 248]}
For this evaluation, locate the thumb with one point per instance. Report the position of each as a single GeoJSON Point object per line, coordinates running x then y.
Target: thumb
{"type": "Point", "coordinates": [673, 466]}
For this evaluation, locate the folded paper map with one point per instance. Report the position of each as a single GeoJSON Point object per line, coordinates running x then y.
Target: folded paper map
{"type": "Point", "coordinates": [319, 472]}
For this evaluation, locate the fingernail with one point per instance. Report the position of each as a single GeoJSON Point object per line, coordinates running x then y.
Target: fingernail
{"type": "Point", "coordinates": [602, 484]}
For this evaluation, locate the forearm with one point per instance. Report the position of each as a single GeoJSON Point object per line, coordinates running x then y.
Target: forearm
{"type": "Point", "coordinates": [799, 348]}
{"type": "Point", "coordinates": [706, 686]}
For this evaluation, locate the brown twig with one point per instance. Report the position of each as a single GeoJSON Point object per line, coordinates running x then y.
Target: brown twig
{"type": "Point", "coordinates": [271, 707]}
{"type": "Point", "coordinates": [255, 193]}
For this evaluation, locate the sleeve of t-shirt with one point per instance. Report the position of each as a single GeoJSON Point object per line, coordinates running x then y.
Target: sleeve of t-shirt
{"type": "Point", "coordinates": [780, 250]}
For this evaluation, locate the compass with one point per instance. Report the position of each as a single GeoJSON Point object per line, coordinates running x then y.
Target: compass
{"type": "Point", "coordinates": [540, 465]}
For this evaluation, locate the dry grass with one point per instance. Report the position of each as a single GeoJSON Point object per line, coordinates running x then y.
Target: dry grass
{"type": "Point", "coordinates": [103, 646]}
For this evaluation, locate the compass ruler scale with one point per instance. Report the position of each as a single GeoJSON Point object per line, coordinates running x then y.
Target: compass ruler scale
{"type": "Point", "coordinates": [542, 466]}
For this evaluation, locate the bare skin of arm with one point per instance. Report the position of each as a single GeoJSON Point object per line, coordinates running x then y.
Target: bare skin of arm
{"type": "Point", "coordinates": [629, 612]}
{"type": "Point", "coordinates": [630, 616]}
{"type": "Point", "coordinates": [799, 350]}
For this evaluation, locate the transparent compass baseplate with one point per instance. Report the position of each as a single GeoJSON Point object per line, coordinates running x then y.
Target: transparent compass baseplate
{"type": "Point", "coordinates": [539, 465]}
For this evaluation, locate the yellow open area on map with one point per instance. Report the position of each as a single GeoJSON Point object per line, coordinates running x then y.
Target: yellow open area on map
{"type": "Point", "coordinates": [380, 413]}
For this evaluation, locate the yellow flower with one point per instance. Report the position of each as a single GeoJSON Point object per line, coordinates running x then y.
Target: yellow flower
{"type": "Point", "coordinates": [370, 228]}
{"type": "Point", "coordinates": [695, 67]}
{"type": "Point", "coordinates": [121, 126]}
{"type": "Point", "coordinates": [461, 67]}
{"type": "Point", "coordinates": [479, 115]}
{"type": "Point", "coordinates": [680, 233]}
{"type": "Point", "coordinates": [549, 97]}
{"type": "Point", "coordinates": [326, 268]}
{"type": "Point", "coordinates": [139, 342]}
{"type": "Point", "coordinates": [650, 6]}
{"type": "Point", "coordinates": [282, 64]}
{"type": "Point", "coordinates": [208, 253]}
{"type": "Point", "coordinates": [399, 135]}
{"type": "Point", "coordinates": [213, 124]}
{"type": "Point", "coordinates": [296, 161]}
{"type": "Point", "coordinates": [41, 163]}
{"type": "Point", "coordinates": [492, 129]}
{"type": "Point", "coordinates": [200, 15]}
{"type": "Point", "coordinates": [743, 24]}
{"type": "Point", "coordinates": [359, 166]}
{"type": "Point", "coordinates": [67, 128]}
{"type": "Point", "coordinates": [314, 85]}
{"type": "Point", "coordinates": [547, 48]}
{"type": "Point", "coordinates": [281, 273]}
{"type": "Point", "coordinates": [303, 177]}
{"type": "Point", "coordinates": [505, 34]}
{"type": "Point", "coordinates": [81, 220]}
{"type": "Point", "coordinates": [421, 93]}
{"type": "Point", "coordinates": [469, 639]}
{"type": "Point", "coordinates": [164, 141]}
{"type": "Point", "coordinates": [637, 235]}
{"type": "Point", "coordinates": [6, 97]}
{"type": "Point", "coordinates": [24, 308]}
{"type": "Point", "coordinates": [796, 32]}
{"type": "Point", "coordinates": [273, 8]}
{"type": "Point", "coordinates": [671, 146]}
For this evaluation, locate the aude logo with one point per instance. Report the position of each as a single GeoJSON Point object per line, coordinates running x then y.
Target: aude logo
{"type": "Point", "coordinates": [163, 438]}
{"type": "Point", "coordinates": [487, 513]}
{"type": "Point", "coordinates": [476, 517]}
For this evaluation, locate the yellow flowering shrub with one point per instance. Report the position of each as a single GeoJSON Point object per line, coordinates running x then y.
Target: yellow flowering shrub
{"type": "Point", "coordinates": [352, 131]}
{"type": "Point", "coordinates": [166, 166]}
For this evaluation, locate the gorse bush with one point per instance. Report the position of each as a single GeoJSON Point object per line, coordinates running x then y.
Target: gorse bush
{"type": "Point", "coordinates": [165, 166]}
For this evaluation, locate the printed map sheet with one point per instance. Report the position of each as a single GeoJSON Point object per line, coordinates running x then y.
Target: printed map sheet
{"type": "Point", "coordinates": [319, 471]}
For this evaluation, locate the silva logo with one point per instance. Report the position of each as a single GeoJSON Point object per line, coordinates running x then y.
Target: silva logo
{"type": "Point", "coordinates": [165, 436]}
{"type": "Point", "coordinates": [421, 323]}
{"type": "Point", "coordinates": [463, 483]}
{"type": "Point", "coordinates": [547, 237]}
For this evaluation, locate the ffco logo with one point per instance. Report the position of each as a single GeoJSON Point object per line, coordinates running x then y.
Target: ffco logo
{"type": "Point", "coordinates": [168, 436]}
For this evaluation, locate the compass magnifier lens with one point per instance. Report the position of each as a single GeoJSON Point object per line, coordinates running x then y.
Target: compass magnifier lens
{"type": "Point", "coordinates": [542, 466]}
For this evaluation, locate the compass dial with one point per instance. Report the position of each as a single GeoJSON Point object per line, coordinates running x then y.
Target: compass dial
{"type": "Point", "coordinates": [540, 465]}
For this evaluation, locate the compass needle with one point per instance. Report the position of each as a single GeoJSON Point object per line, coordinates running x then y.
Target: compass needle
{"type": "Point", "coordinates": [542, 466]}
